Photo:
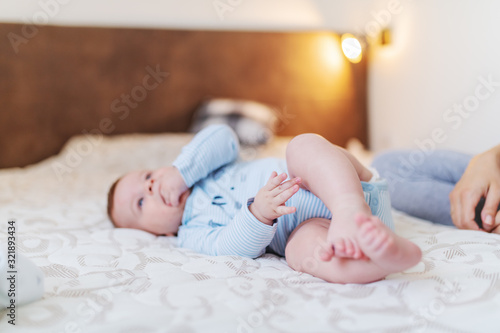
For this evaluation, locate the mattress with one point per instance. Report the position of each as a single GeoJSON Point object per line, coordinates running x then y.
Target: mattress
{"type": "Point", "coordinates": [102, 279]}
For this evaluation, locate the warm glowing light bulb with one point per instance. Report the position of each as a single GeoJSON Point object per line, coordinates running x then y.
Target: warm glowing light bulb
{"type": "Point", "coordinates": [351, 48]}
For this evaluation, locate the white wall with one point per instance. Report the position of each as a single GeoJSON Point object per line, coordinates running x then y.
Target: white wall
{"type": "Point", "coordinates": [431, 71]}
{"type": "Point", "coordinates": [440, 49]}
{"type": "Point", "coordinates": [210, 14]}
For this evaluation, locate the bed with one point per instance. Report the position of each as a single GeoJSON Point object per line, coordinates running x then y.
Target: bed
{"type": "Point", "coordinates": [98, 278]}
{"type": "Point", "coordinates": [102, 279]}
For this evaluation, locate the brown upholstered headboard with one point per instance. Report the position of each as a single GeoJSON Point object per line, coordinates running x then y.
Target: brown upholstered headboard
{"type": "Point", "coordinates": [62, 81]}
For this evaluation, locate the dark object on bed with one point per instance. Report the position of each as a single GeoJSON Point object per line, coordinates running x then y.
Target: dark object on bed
{"type": "Point", "coordinates": [64, 81]}
{"type": "Point", "coordinates": [254, 123]}
{"type": "Point", "coordinates": [479, 208]}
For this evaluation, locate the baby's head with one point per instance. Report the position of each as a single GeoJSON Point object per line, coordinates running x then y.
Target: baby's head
{"type": "Point", "coordinates": [136, 201]}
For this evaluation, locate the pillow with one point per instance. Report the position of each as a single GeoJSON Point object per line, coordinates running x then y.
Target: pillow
{"type": "Point", "coordinates": [253, 122]}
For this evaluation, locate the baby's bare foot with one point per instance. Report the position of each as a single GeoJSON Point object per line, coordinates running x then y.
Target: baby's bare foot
{"type": "Point", "coordinates": [342, 237]}
{"type": "Point", "coordinates": [383, 247]}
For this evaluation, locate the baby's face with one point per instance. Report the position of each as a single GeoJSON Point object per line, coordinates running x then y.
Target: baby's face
{"type": "Point", "coordinates": [140, 204]}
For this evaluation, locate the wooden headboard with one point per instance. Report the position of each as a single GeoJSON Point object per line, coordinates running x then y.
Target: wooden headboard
{"type": "Point", "coordinates": [57, 82]}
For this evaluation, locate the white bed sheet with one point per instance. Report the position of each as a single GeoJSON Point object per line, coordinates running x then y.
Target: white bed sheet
{"type": "Point", "coordinates": [102, 279]}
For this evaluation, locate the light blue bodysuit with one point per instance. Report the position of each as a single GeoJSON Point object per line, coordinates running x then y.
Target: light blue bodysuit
{"type": "Point", "coordinates": [216, 219]}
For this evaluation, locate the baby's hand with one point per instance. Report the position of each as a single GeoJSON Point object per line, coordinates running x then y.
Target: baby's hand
{"type": "Point", "coordinates": [269, 203]}
{"type": "Point", "coordinates": [172, 185]}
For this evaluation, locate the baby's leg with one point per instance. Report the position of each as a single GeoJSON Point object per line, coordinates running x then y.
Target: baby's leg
{"type": "Point", "coordinates": [385, 252]}
{"type": "Point", "coordinates": [333, 175]}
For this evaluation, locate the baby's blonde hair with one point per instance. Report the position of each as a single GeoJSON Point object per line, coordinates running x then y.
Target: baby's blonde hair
{"type": "Point", "coordinates": [111, 197]}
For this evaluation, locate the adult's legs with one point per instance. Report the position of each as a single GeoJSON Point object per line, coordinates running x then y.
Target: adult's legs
{"type": "Point", "coordinates": [385, 252]}
{"type": "Point", "coordinates": [420, 182]}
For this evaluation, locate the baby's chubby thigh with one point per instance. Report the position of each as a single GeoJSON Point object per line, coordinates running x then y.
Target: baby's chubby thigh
{"type": "Point", "coordinates": [305, 244]}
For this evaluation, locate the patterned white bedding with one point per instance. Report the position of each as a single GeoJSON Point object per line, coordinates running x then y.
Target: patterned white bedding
{"type": "Point", "coordinates": [101, 279]}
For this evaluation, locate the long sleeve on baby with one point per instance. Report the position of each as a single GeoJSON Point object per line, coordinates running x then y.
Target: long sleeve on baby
{"type": "Point", "coordinates": [244, 236]}
{"type": "Point", "coordinates": [211, 148]}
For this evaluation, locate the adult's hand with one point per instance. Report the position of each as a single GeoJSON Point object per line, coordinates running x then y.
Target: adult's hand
{"type": "Point", "coordinates": [480, 179]}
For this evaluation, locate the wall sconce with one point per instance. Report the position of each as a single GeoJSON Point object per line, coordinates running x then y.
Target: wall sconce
{"type": "Point", "coordinates": [385, 36]}
{"type": "Point", "coordinates": [352, 48]}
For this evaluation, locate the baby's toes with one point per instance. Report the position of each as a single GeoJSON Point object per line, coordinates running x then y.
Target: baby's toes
{"type": "Point", "coordinates": [381, 240]}
{"type": "Point", "coordinates": [371, 240]}
{"type": "Point", "coordinates": [385, 242]}
{"type": "Point", "coordinates": [369, 236]}
{"type": "Point", "coordinates": [352, 249]}
{"type": "Point", "coordinates": [326, 253]}
{"type": "Point", "coordinates": [349, 248]}
{"type": "Point", "coordinates": [358, 254]}
{"type": "Point", "coordinates": [340, 247]}
{"type": "Point", "coordinates": [366, 231]}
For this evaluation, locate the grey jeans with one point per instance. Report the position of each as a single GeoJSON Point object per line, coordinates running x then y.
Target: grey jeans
{"type": "Point", "coordinates": [420, 181]}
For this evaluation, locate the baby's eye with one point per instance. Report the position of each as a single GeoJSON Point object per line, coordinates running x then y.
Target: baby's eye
{"type": "Point", "coordinates": [148, 175]}
{"type": "Point", "coordinates": [139, 203]}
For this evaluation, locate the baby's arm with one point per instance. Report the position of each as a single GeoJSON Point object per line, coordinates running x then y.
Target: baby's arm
{"type": "Point", "coordinates": [245, 236]}
{"type": "Point", "coordinates": [211, 148]}
{"type": "Point", "coordinates": [249, 233]}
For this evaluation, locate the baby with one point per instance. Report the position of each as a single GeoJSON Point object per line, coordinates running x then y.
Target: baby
{"type": "Point", "coordinates": [326, 219]}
